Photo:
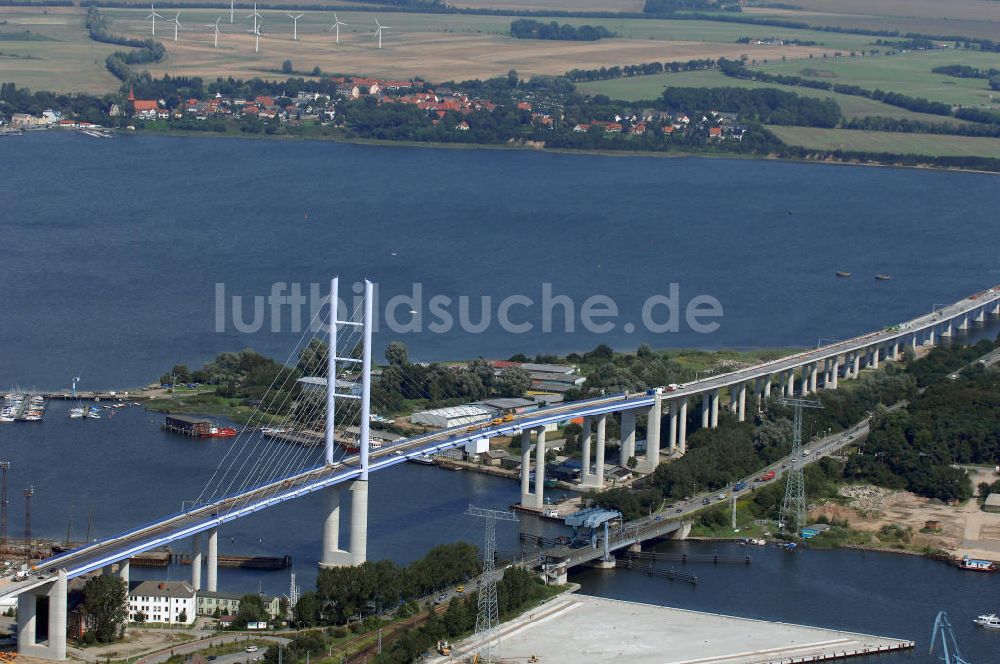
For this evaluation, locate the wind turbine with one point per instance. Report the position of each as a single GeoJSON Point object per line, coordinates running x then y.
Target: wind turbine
{"type": "Point", "coordinates": [295, 30]}
{"type": "Point", "coordinates": [255, 15]}
{"type": "Point", "coordinates": [232, 10]}
{"type": "Point", "coordinates": [379, 31]}
{"type": "Point", "coordinates": [336, 25]}
{"type": "Point", "coordinates": [256, 33]}
{"type": "Point", "coordinates": [216, 26]}
{"type": "Point", "coordinates": [153, 15]}
{"type": "Point", "coordinates": [177, 24]}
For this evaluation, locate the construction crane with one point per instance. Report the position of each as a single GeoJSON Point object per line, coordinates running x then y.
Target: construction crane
{"type": "Point", "coordinates": [949, 646]}
{"type": "Point", "coordinates": [793, 507]}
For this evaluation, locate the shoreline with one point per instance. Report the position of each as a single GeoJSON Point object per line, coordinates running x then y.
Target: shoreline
{"type": "Point", "coordinates": [521, 147]}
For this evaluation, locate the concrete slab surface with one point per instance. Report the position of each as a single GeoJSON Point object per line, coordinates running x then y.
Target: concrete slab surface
{"type": "Point", "coordinates": [592, 630]}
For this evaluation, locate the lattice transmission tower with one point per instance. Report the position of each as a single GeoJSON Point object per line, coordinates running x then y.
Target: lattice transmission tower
{"type": "Point", "coordinates": [488, 618]}
{"type": "Point", "coordinates": [793, 507]}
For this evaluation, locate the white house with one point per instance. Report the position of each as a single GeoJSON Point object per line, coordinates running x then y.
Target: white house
{"type": "Point", "coordinates": [170, 602]}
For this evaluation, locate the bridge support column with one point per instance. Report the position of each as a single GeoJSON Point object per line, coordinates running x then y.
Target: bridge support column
{"type": "Point", "coordinates": [947, 331]}
{"type": "Point", "coordinates": [586, 478]}
{"type": "Point", "coordinates": [682, 426]}
{"type": "Point", "coordinates": [741, 402]}
{"type": "Point", "coordinates": [46, 641]}
{"type": "Point", "coordinates": [964, 323]}
{"type": "Point", "coordinates": [627, 449]}
{"type": "Point", "coordinates": [196, 562]}
{"type": "Point", "coordinates": [359, 521]}
{"type": "Point", "coordinates": [333, 555]}
{"type": "Point", "coordinates": [980, 316]}
{"type": "Point", "coordinates": [540, 467]}
{"type": "Point", "coordinates": [767, 387]}
{"type": "Point", "coordinates": [930, 336]}
{"type": "Point", "coordinates": [855, 366]}
{"type": "Point", "coordinates": [913, 341]}
{"type": "Point", "coordinates": [790, 383]}
{"type": "Point", "coordinates": [124, 571]}
{"type": "Point", "coordinates": [653, 424]}
{"type": "Point", "coordinates": [672, 424]}
{"type": "Point", "coordinates": [706, 406]}
{"type": "Point", "coordinates": [995, 310]}
{"type": "Point", "coordinates": [873, 363]}
{"type": "Point", "coordinates": [714, 423]}
{"type": "Point", "coordinates": [602, 423]}
{"type": "Point", "coordinates": [813, 378]}
{"type": "Point", "coordinates": [212, 564]}
{"type": "Point", "coordinates": [526, 464]}
{"type": "Point", "coordinates": [834, 371]}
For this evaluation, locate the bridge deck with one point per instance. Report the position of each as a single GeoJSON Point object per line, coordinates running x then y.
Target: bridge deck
{"type": "Point", "coordinates": [186, 524]}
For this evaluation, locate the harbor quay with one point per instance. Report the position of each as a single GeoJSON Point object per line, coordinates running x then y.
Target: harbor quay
{"type": "Point", "coordinates": [598, 630]}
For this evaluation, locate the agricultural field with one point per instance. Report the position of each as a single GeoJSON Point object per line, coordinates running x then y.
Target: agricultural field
{"type": "Point", "coordinates": [648, 87]}
{"type": "Point", "coordinates": [61, 58]}
{"type": "Point", "coordinates": [555, 5]}
{"type": "Point", "coordinates": [907, 73]}
{"type": "Point", "coordinates": [432, 46]}
{"type": "Point", "coordinates": [881, 141]}
{"type": "Point", "coordinates": [970, 18]}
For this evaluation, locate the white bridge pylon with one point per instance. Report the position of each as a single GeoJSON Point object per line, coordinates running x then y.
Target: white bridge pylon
{"type": "Point", "coordinates": [355, 554]}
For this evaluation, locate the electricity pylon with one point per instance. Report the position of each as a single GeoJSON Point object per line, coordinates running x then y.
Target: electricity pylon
{"type": "Point", "coordinates": [793, 507]}
{"type": "Point", "coordinates": [488, 618]}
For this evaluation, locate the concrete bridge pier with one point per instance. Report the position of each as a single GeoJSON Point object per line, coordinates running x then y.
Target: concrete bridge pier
{"type": "Point", "coordinates": [813, 377]}
{"type": "Point", "coordinates": [741, 402]}
{"type": "Point", "coordinates": [526, 448]}
{"type": "Point", "coordinates": [333, 555]}
{"type": "Point", "coordinates": [212, 563]}
{"type": "Point", "coordinates": [930, 337]}
{"type": "Point", "coordinates": [964, 323]}
{"type": "Point", "coordinates": [124, 571]}
{"type": "Point", "coordinates": [714, 423]}
{"type": "Point", "coordinates": [627, 449]}
{"type": "Point", "coordinates": [706, 406]}
{"type": "Point", "coordinates": [873, 363]}
{"type": "Point", "coordinates": [654, 422]}
{"type": "Point", "coordinates": [359, 521]}
{"type": "Point", "coordinates": [672, 426]}
{"type": "Point", "coordinates": [602, 424]}
{"type": "Point", "coordinates": [995, 310]}
{"type": "Point", "coordinates": [895, 351]}
{"type": "Point", "coordinates": [540, 467]}
{"type": "Point", "coordinates": [682, 426]}
{"type": "Point", "coordinates": [790, 383]}
{"type": "Point", "coordinates": [586, 477]}
{"type": "Point", "coordinates": [980, 316]}
{"type": "Point", "coordinates": [48, 640]}
{"type": "Point", "coordinates": [767, 387]}
{"type": "Point", "coordinates": [947, 330]}
{"type": "Point", "coordinates": [834, 374]}
{"type": "Point", "coordinates": [196, 562]}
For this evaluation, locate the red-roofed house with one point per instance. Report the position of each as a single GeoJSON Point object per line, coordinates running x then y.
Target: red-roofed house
{"type": "Point", "coordinates": [523, 106]}
{"type": "Point", "coordinates": [715, 132]}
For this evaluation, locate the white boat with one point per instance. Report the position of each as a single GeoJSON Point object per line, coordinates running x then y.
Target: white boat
{"type": "Point", "coordinates": [77, 413]}
{"type": "Point", "coordinates": [988, 620]}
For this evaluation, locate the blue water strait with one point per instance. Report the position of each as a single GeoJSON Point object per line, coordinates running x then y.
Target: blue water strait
{"type": "Point", "coordinates": [111, 252]}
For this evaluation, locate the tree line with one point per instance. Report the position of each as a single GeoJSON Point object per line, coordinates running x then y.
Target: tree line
{"type": "Point", "coordinates": [346, 593]}
{"type": "Point", "coordinates": [644, 69]}
{"type": "Point", "coordinates": [525, 28]}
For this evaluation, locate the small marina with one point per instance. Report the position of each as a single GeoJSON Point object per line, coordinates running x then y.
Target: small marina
{"type": "Point", "coordinates": [22, 407]}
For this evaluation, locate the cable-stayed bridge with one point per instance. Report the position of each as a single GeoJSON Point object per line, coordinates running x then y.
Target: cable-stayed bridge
{"type": "Point", "coordinates": [261, 469]}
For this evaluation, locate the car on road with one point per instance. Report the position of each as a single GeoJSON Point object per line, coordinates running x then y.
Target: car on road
{"type": "Point", "coordinates": [706, 501]}
{"type": "Point", "coordinates": [805, 452]}
{"type": "Point", "coordinates": [251, 648]}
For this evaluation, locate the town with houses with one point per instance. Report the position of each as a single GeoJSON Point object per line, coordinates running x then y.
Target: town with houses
{"type": "Point", "coordinates": [443, 106]}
